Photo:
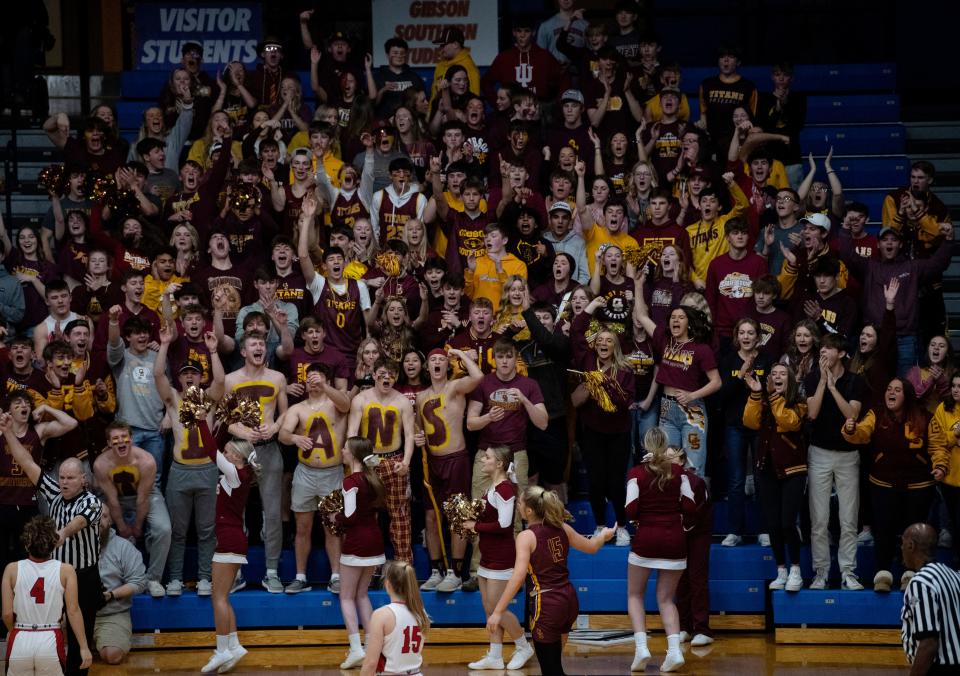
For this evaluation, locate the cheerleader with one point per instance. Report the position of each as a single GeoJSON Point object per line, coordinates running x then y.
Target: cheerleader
{"type": "Point", "coordinates": [236, 464]}
{"type": "Point", "coordinates": [395, 631]}
{"type": "Point", "coordinates": [362, 542]}
{"type": "Point", "coordinates": [658, 495]}
{"type": "Point", "coordinates": [497, 552]}
{"type": "Point", "coordinates": [542, 552]}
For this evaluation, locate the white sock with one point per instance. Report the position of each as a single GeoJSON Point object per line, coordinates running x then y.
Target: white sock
{"type": "Point", "coordinates": [450, 571]}
{"type": "Point", "coordinates": [673, 643]}
{"type": "Point", "coordinates": [302, 577]}
{"type": "Point", "coordinates": [496, 651]}
{"type": "Point", "coordinates": [232, 640]}
{"type": "Point", "coordinates": [640, 639]}
{"type": "Point", "coordinates": [794, 568]}
{"type": "Point", "coordinates": [223, 643]}
{"type": "Point", "coordinates": [521, 642]}
{"type": "Point", "coordinates": [272, 572]}
{"type": "Point", "coordinates": [333, 576]}
{"type": "Point", "coordinates": [355, 645]}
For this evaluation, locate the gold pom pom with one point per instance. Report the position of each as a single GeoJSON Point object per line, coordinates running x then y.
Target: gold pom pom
{"type": "Point", "coordinates": [458, 508]}
{"type": "Point", "coordinates": [330, 505]}
{"type": "Point", "coordinates": [390, 262]}
{"type": "Point", "coordinates": [194, 406]}
{"type": "Point", "coordinates": [52, 179]}
{"type": "Point", "coordinates": [243, 195]}
{"type": "Point", "coordinates": [648, 253]}
{"type": "Point", "coordinates": [598, 384]}
{"type": "Point", "coordinates": [102, 187]}
{"type": "Point", "coordinates": [238, 408]}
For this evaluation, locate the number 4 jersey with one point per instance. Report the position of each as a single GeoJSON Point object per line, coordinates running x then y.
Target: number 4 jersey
{"type": "Point", "coordinates": [38, 594]}
{"type": "Point", "coordinates": [402, 647]}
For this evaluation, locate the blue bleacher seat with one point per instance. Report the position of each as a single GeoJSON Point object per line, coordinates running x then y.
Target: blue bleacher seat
{"type": "Point", "coordinates": [853, 108]}
{"type": "Point", "coordinates": [848, 77]}
{"type": "Point", "coordinates": [871, 172]}
{"type": "Point", "coordinates": [870, 139]}
{"type": "Point", "coordinates": [837, 607]}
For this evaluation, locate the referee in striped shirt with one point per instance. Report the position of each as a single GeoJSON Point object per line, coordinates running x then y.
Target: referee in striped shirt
{"type": "Point", "coordinates": [931, 606]}
{"type": "Point", "coordinates": [76, 513]}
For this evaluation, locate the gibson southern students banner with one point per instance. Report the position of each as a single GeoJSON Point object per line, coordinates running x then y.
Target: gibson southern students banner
{"type": "Point", "coordinates": [420, 22]}
{"type": "Point", "coordinates": [226, 32]}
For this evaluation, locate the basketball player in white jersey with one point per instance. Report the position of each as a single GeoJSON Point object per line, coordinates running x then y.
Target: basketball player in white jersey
{"type": "Point", "coordinates": [395, 633]}
{"type": "Point", "coordinates": [35, 592]}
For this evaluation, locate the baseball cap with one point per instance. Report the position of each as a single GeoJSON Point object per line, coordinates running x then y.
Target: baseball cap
{"type": "Point", "coordinates": [214, 147]}
{"type": "Point", "coordinates": [271, 41]}
{"type": "Point", "coordinates": [572, 95]}
{"type": "Point", "coordinates": [451, 34]}
{"type": "Point", "coordinates": [892, 231]}
{"type": "Point", "coordinates": [191, 364]}
{"type": "Point", "coordinates": [338, 36]}
{"type": "Point", "coordinates": [669, 90]}
{"type": "Point", "coordinates": [818, 220]}
{"type": "Point", "coordinates": [561, 206]}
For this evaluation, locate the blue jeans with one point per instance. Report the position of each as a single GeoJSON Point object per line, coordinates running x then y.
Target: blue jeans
{"type": "Point", "coordinates": [686, 427]}
{"type": "Point", "coordinates": [641, 421]}
{"type": "Point", "coordinates": [737, 440]}
{"type": "Point", "coordinates": [906, 354]}
{"type": "Point", "coordinates": [152, 442]}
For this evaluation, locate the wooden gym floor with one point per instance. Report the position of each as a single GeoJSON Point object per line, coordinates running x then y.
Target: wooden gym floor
{"type": "Point", "coordinates": [734, 654]}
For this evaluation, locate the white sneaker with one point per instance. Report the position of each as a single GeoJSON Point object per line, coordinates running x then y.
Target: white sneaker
{"type": "Point", "coordinates": [217, 661]}
{"type": "Point", "coordinates": [487, 662]}
{"type": "Point", "coordinates": [432, 582]}
{"type": "Point", "coordinates": [684, 636]}
{"type": "Point", "coordinates": [156, 589]}
{"type": "Point", "coordinates": [794, 580]}
{"type": "Point", "coordinates": [204, 588]}
{"type": "Point", "coordinates": [640, 659]}
{"type": "Point", "coordinates": [174, 588]}
{"type": "Point", "coordinates": [236, 654]}
{"type": "Point", "coordinates": [732, 540]}
{"type": "Point", "coordinates": [850, 582]}
{"type": "Point", "coordinates": [354, 659]}
{"type": "Point", "coordinates": [623, 537]}
{"type": "Point", "coordinates": [763, 540]}
{"type": "Point", "coordinates": [749, 485]}
{"type": "Point", "coordinates": [451, 582]}
{"type": "Point", "coordinates": [781, 580]}
{"type": "Point", "coordinates": [672, 662]}
{"type": "Point", "coordinates": [882, 581]}
{"type": "Point", "coordinates": [520, 657]}
{"type": "Point", "coordinates": [701, 640]}
{"type": "Point", "coordinates": [865, 537]}
{"type": "Point", "coordinates": [905, 579]}
{"type": "Point", "coordinates": [819, 580]}
{"type": "Point", "coordinates": [597, 531]}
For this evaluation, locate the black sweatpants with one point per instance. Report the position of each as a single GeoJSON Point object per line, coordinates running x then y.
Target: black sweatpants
{"type": "Point", "coordinates": [780, 502]}
{"type": "Point", "coordinates": [90, 599]}
{"type": "Point", "coordinates": [893, 511]}
{"type": "Point", "coordinates": [606, 457]}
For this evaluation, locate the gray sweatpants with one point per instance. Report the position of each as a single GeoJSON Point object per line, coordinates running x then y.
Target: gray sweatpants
{"type": "Point", "coordinates": [192, 490]}
{"type": "Point", "coordinates": [157, 527]}
{"type": "Point", "coordinates": [271, 482]}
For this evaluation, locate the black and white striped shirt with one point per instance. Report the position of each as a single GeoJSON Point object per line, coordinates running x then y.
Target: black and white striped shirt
{"type": "Point", "coordinates": [931, 606]}
{"type": "Point", "coordinates": [83, 549]}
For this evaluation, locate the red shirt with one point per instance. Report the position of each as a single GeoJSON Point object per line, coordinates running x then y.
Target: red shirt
{"type": "Point", "coordinates": [729, 288]}
{"type": "Point", "coordinates": [682, 365]}
{"type": "Point", "coordinates": [230, 508]}
{"type": "Point", "coordinates": [362, 537]}
{"type": "Point", "coordinates": [511, 430]}
{"type": "Point", "coordinates": [498, 549]}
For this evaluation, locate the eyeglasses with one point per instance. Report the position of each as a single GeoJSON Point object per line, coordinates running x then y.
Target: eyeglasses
{"type": "Point", "coordinates": [820, 188]}
{"type": "Point", "coordinates": [785, 199]}
{"type": "Point", "coordinates": [272, 48]}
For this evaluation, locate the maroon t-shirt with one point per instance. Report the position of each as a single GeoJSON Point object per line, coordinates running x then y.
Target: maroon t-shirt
{"type": "Point", "coordinates": [668, 234]}
{"type": "Point", "coordinates": [293, 289]}
{"type": "Point", "coordinates": [72, 259]}
{"type": "Point", "coordinates": [663, 297]}
{"type": "Point", "coordinates": [667, 147]}
{"type": "Point", "coordinates": [465, 237]}
{"type": "Point", "coordinates": [729, 288]}
{"type": "Point", "coordinates": [511, 430]}
{"type": "Point", "coordinates": [682, 365]}
{"type": "Point", "coordinates": [184, 350]}
{"type": "Point", "coordinates": [547, 293]}
{"type": "Point", "coordinates": [301, 359]}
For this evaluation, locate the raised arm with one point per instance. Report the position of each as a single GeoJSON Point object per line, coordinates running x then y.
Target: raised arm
{"type": "Point", "coordinates": [589, 545]}
{"type": "Point", "coordinates": [307, 211]}
{"type": "Point", "coordinates": [21, 456]}
{"type": "Point", "coordinates": [640, 310]}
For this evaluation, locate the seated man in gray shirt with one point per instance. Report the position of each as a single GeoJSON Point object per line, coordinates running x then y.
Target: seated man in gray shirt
{"type": "Point", "coordinates": [123, 576]}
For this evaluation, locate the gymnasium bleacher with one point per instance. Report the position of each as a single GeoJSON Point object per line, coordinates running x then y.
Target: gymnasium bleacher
{"type": "Point", "coordinates": [854, 108]}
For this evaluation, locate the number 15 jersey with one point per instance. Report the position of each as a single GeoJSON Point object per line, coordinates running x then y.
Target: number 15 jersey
{"type": "Point", "coordinates": [402, 647]}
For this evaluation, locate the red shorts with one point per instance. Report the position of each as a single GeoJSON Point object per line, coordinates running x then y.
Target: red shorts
{"type": "Point", "coordinates": [552, 613]}
{"type": "Point", "coordinates": [450, 474]}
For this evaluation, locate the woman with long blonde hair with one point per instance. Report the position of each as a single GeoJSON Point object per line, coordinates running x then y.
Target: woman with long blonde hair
{"type": "Point", "coordinates": [497, 553]}
{"type": "Point", "coordinates": [542, 552]}
{"type": "Point", "coordinates": [396, 631]}
{"type": "Point", "coordinates": [658, 495]}
{"type": "Point", "coordinates": [603, 417]}
{"type": "Point", "coordinates": [186, 241]}
{"type": "Point", "coordinates": [509, 318]}
{"type": "Point", "coordinates": [643, 181]}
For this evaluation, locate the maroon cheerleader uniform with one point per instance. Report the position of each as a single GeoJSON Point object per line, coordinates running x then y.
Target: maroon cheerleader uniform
{"type": "Point", "coordinates": [230, 507]}
{"type": "Point", "coordinates": [498, 550]}
{"type": "Point", "coordinates": [552, 600]}
{"type": "Point", "coordinates": [659, 541]}
{"type": "Point", "coordinates": [362, 541]}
